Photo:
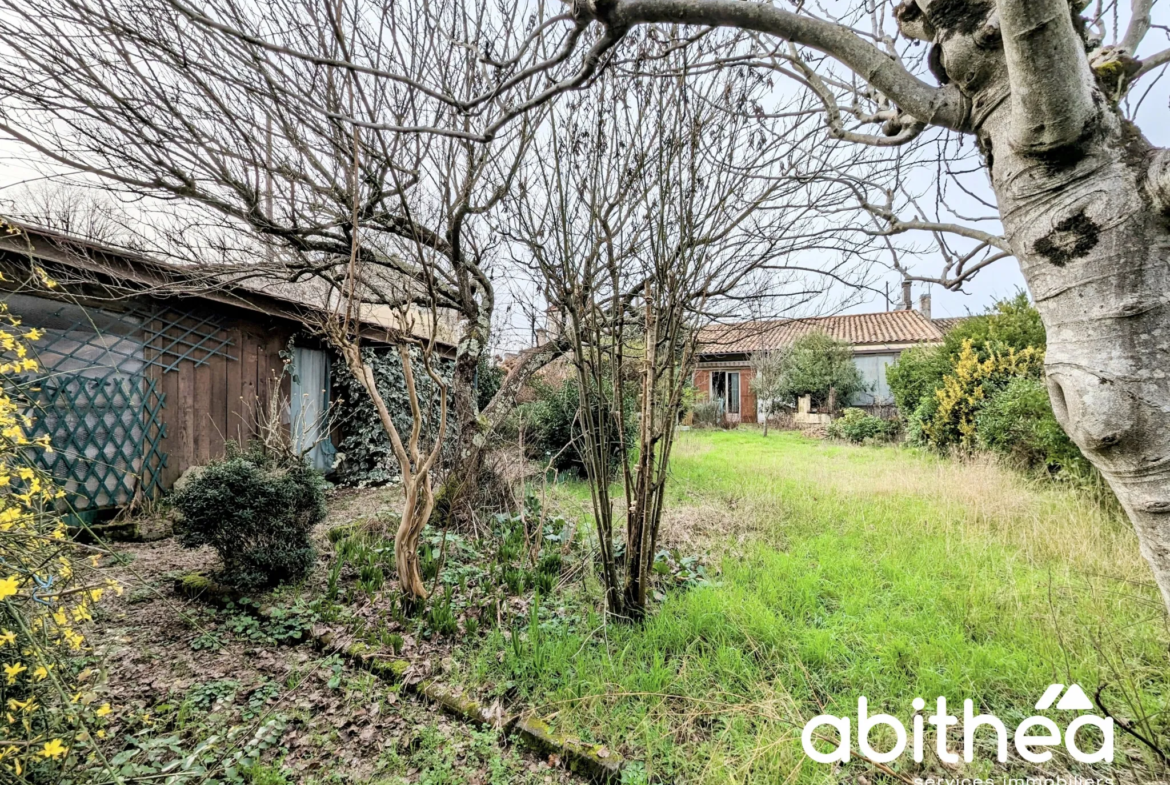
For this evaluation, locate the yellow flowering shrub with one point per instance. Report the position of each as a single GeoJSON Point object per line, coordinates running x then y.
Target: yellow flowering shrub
{"type": "Point", "coordinates": [967, 387]}
{"type": "Point", "coordinates": [47, 594]}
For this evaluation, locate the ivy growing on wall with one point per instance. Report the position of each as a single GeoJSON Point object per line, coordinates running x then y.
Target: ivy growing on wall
{"type": "Point", "coordinates": [365, 454]}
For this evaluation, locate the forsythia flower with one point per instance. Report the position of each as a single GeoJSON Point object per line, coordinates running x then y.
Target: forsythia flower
{"type": "Point", "coordinates": [8, 586]}
{"type": "Point", "coordinates": [14, 670]}
{"type": "Point", "coordinates": [53, 749]}
{"type": "Point", "coordinates": [37, 720]}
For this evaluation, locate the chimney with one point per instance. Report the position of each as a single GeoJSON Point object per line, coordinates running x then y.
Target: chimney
{"type": "Point", "coordinates": [924, 305]}
{"type": "Point", "coordinates": [907, 299]}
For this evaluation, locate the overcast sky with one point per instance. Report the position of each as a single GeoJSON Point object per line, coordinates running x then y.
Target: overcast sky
{"type": "Point", "coordinates": [18, 167]}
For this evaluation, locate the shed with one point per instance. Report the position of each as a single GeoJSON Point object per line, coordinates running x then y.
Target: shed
{"type": "Point", "coordinates": [138, 383]}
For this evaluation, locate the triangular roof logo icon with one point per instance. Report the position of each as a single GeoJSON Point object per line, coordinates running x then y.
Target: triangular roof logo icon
{"type": "Point", "coordinates": [1075, 700]}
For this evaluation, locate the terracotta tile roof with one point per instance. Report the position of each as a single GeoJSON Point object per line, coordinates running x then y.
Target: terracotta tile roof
{"type": "Point", "coordinates": [948, 323]}
{"type": "Point", "coordinates": [865, 329]}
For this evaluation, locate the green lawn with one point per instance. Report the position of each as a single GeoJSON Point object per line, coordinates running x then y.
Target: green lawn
{"type": "Point", "coordinates": [847, 571]}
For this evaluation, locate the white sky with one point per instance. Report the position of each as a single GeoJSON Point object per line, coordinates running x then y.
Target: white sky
{"type": "Point", "coordinates": [18, 166]}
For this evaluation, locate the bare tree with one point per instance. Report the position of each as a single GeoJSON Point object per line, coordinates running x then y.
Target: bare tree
{"type": "Point", "coordinates": [643, 218]}
{"type": "Point", "coordinates": [417, 459]}
{"type": "Point", "coordinates": [767, 381]}
{"type": "Point", "coordinates": [1082, 195]}
{"type": "Point", "coordinates": [163, 103]}
{"type": "Point", "coordinates": [1045, 94]}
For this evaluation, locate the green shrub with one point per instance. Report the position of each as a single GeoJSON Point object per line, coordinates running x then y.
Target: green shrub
{"type": "Point", "coordinates": [256, 511]}
{"type": "Point", "coordinates": [1017, 422]}
{"type": "Point", "coordinates": [1009, 325]}
{"type": "Point", "coordinates": [554, 433]}
{"type": "Point", "coordinates": [812, 365]}
{"type": "Point", "coordinates": [916, 375]}
{"type": "Point", "coordinates": [858, 426]}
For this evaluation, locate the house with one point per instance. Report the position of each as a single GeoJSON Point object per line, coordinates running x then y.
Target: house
{"type": "Point", "coordinates": [147, 369]}
{"type": "Point", "coordinates": [724, 363]}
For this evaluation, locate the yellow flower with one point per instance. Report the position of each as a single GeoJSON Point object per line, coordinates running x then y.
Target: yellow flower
{"type": "Point", "coordinates": [104, 710]}
{"type": "Point", "coordinates": [53, 749]}
{"type": "Point", "coordinates": [96, 594]}
{"type": "Point", "coordinates": [7, 636]}
{"type": "Point", "coordinates": [8, 586]}
{"type": "Point", "coordinates": [14, 670]}
{"type": "Point", "coordinates": [41, 673]}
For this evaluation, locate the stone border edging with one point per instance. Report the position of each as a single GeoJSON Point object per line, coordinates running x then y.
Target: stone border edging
{"type": "Point", "coordinates": [595, 761]}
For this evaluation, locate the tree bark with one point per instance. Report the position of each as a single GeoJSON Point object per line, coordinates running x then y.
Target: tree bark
{"type": "Point", "coordinates": [475, 427]}
{"type": "Point", "coordinates": [1084, 208]}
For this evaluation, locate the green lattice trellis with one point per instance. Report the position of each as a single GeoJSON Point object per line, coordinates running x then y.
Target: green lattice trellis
{"type": "Point", "coordinates": [95, 398]}
{"type": "Point", "coordinates": [106, 434]}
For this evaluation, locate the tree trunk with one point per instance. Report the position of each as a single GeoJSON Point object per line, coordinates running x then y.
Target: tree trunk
{"type": "Point", "coordinates": [415, 512]}
{"type": "Point", "coordinates": [1088, 222]}
{"type": "Point", "coordinates": [456, 495]}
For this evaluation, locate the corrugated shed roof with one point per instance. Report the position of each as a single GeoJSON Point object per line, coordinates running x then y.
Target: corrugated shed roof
{"type": "Point", "coordinates": [865, 329]}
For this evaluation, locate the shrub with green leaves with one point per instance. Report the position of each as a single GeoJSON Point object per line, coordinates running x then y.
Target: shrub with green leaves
{"type": "Point", "coordinates": [918, 372]}
{"type": "Point", "coordinates": [1012, 324]}
{"type": "Point", "coordinates": [555, 434]}
{"type": "Point", "coordinates": [857, 425]}
{"type": "Point", "coordinates": [815, 365]}
{"type": "Point", "coordinates": [1017, 422]}
{"type": "Point", "coordinates": [257, 511]}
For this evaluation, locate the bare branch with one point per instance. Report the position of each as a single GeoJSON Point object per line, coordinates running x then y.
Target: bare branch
{"type": "Point", "coordinates": [1051, 84]}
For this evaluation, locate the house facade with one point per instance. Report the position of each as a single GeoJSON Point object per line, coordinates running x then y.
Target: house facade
{"type": "Point", "coordinates": [144, 371]}
{"type": "Point", "coordinates": [724, 371]}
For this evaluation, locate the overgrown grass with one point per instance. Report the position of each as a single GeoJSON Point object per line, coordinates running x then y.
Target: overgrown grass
{"type": "Point", "coordinates": [851, 571]}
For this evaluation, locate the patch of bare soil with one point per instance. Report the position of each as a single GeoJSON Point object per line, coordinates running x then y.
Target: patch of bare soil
{"type": "Point", "coordinates": [179, 673]}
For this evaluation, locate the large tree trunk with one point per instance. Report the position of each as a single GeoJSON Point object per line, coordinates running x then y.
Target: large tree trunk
{"type": "Point", "coordinates": [456, 496]}
{"type": "Point", "coordinates": [1094, 246]}
{"type": "Point", "coordinates": [1087, 219]}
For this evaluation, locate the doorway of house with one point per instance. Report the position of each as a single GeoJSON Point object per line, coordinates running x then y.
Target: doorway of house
{"type": "Point", "coordinates": [725, 390]}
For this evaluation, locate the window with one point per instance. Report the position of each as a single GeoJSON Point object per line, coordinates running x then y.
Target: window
{"type": "Point", "coordinates": [725, 389]}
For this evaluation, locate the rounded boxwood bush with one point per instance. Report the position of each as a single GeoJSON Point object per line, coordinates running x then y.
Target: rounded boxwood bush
{"type": "Point", "coordinates": [257, 512]}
